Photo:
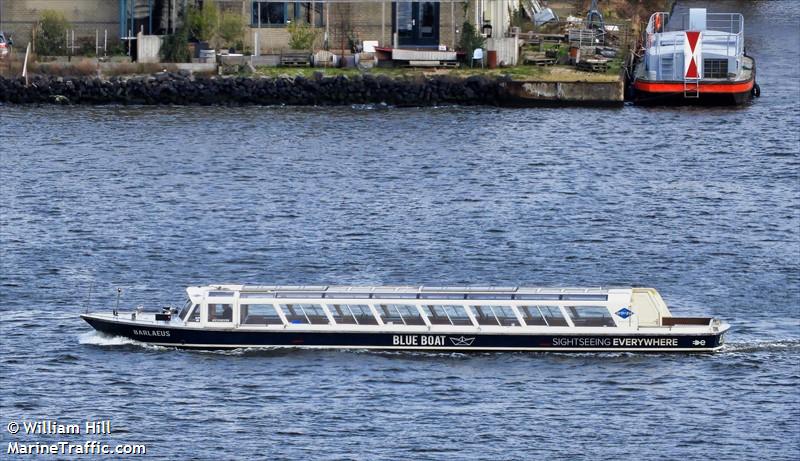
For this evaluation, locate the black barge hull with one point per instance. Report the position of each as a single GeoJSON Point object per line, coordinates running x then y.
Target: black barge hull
{"type": "Point", "coordinates": [192, 338]}
{"type": "Point", "coordinates": [646, 98]}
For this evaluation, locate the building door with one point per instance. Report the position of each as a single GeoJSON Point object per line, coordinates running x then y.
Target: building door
{"type": "Point", "coordinates": [416, 23]}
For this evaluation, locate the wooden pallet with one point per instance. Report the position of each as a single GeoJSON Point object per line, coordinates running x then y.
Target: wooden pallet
{"type": "Point", "coordinates": [535, 39]}
{"type": "Point", "coordinates": [295, 59]}
{"type": "Point", "coordinates": [432, 64]}
{"type": "Point", "coordinates": [593, 66]}
{"type": "Point", "coordinates": [539, 59]}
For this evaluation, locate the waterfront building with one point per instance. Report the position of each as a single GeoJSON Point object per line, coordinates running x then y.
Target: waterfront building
{"type": "Point", "coordinates": [428, 24]}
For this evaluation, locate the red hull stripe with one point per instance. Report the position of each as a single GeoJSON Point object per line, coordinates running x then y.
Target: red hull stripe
{"type": "Point", "coordinates": [671, 87]}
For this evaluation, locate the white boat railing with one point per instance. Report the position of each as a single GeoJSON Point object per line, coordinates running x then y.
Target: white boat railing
{"type": "Point", "coordinates": [731, 23]}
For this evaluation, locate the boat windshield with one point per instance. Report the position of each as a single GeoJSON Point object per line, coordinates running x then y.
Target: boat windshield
{"type": "Point", "coordinates": [185, 311]}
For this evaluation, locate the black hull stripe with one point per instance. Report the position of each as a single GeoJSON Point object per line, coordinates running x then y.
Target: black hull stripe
{"type": "Point", "coordinates": [644, 98]}
{"type": "Point", "coordinates": [474, 342]}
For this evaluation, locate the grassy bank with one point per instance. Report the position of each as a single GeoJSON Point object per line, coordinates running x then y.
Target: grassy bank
{"type": "Point", "coordinates": [88, 67]}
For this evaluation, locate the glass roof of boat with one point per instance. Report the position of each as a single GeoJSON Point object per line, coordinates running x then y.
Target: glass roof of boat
{"type": "Point", "coordinates": [330, 290]}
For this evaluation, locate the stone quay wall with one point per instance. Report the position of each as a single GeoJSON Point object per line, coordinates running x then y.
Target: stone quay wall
{"type": "Point", "coordinates": [181, 88]}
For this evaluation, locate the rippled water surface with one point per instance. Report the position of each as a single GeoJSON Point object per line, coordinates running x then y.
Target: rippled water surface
{"type": "Point", "coordinates": [703, 204]}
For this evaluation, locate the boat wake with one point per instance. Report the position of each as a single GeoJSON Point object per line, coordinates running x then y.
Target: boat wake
{"type": "Point", "coordinates": [783, 345]}
{"type": "Point", "coordinates": [94, 338]}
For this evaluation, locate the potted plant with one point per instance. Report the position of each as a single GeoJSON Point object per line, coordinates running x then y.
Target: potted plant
{"type": "Point", "coordinates": [203, 24]}
{"type": "Point", "coordinates": [301, 36]}
{"type": "Point", "coordinates": [231, 31]}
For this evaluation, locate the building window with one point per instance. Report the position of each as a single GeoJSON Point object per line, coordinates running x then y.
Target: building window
{"type": "Point", "coordinates": [715, 68]}
{"type": "Point", "coordinates": [266, 14]}
{"type": "Point", "coordinates": [310, 13]}
{"type": "Point", "coordinates": [278, 14]}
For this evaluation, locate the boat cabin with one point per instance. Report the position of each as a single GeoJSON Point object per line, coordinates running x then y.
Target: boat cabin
{"type": "Point", "coordinates": [694, 45]}
{"type": "Point", "coordinates": [419, 308]}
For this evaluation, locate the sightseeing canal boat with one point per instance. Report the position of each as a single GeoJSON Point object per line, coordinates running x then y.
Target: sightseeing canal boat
{"type": "Point", "coordinates": [695, 58]}
{"type": "Point", "coordinates": [462, 319]}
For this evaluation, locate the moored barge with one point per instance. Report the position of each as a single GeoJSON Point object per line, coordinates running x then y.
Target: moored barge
{"type": "Point", "coordinates": [461, 319]}
{"type": "Point", "coordinates": [695, 58]}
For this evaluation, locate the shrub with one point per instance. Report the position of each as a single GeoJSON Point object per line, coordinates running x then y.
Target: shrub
{"type": "Point", "coordinates": [85, 67]}
{"type": "Point", "coordinates": [122, 68]}
{"type": "Point", "coordinates": [45, 68]}
{"type": "Point", "coordinates": [175, 47]}
{"type": "Point", "coordinates": [203, 22]}
{"type": "Point", "coordinates": [138, 68]}
{"type": "Point", "coordinates": [470, 40]}
{"type": "Point", "coordinates": [231, 29]}
{"type": "Point", "coordinates": [86, 47]}
{"type": "Point", "coordinates": [117, 48]}
{"type": "Point", "coordinates": [301, 35]}
{"type": "Point", "coordinates": [51, 33]}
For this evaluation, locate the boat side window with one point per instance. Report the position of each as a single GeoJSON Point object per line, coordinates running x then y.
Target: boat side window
{"type": "Point", "coordinates": [294, 314]}
{"type": "Point", "coordinates": [363, 314]}
{"type": "Point", "coordinates": [532, 315]}
{"type": "Point", "coordinates": [436, 315]}
{"type": "Point", "coordinates": [590, 316]}
{"type": "Point", "coordinates": [352, 314]}
{"type": "Point", "coordinates": [195, 315]}
{"type": "Point", "coordinates": [305, 314]}
{"type": "Point", "coordinates": [259, 314]}
{"type": "Point", "coordinates": [185, 310]}
{"type": "Point", "coordinates": [315, 313]}
{"type": "Point", "coordinates": [220, 312]}
{"type": "Point", "coordinates": [410, 314]}
{"type": "Point", "coordinates": [506, 316]}
{"type": "Point", "coordinates": [715, 68]}
{"type": "Point", "coordinates": [389, 314]}
{"type": "Point", "coordinates": [342, 315]}
{"type": "Point", "coordinates": [401, 314]}
{"type": "Point", "coordinates": [552, 315]}
{"type": "Point", "coordinates": [458, 315]}
{"type": "Point", "coordinates": [484, 315]}
{"type": "Point", "coordinates": [447, 315]}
